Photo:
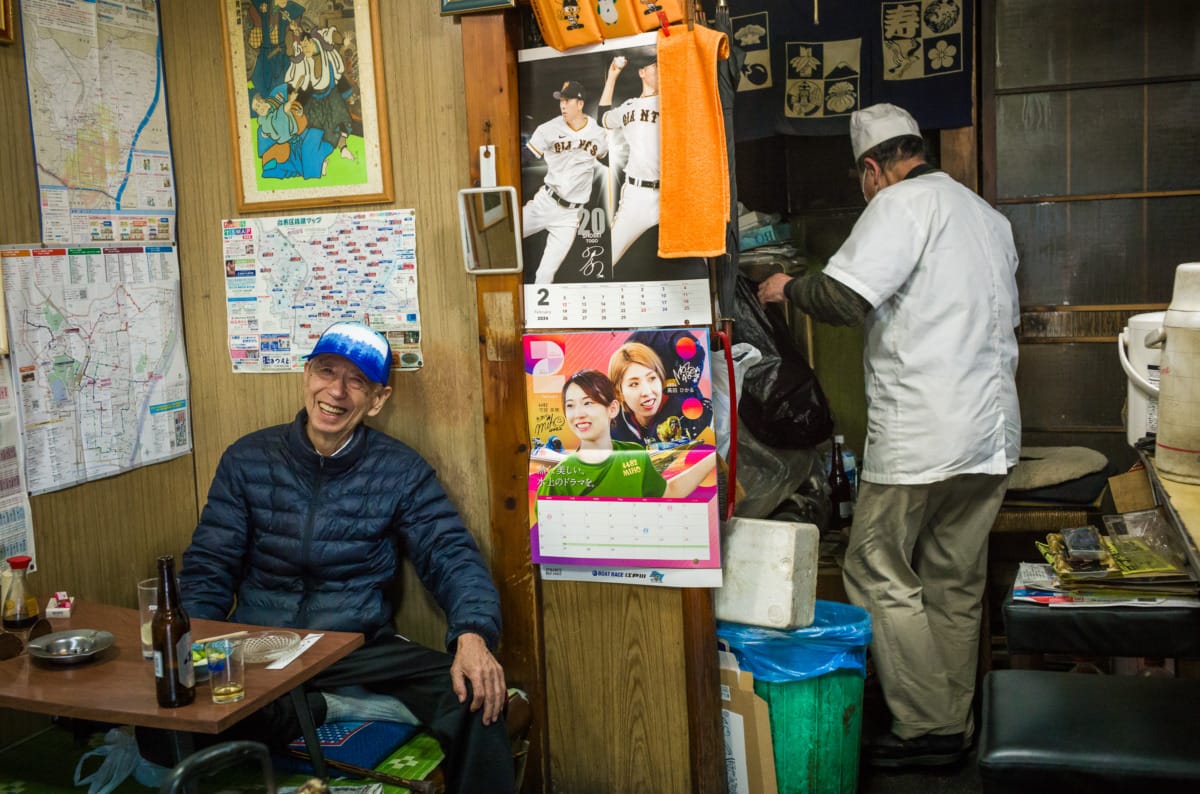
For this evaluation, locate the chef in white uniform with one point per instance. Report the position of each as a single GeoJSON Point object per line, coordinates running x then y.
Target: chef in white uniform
{"type": "Point", "coordinates": [929, 268]}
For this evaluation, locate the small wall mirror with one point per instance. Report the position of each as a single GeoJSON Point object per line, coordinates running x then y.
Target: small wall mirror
{"type": "Point", "coordinates": [490, 224]}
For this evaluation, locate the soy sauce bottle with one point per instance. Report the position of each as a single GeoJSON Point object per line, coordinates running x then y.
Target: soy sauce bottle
{"type": "Point", "coordinates": [174, 677]}
{"type": "Point", "coordinates": [21, 607]}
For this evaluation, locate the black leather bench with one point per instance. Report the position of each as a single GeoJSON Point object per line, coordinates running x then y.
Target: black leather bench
{"type": "Point", "coordinates": [1033, 629]}
{"type": "Point", "coordinates": [1064, 732]}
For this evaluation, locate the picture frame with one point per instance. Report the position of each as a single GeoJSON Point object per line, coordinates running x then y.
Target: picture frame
{"type": "Point", "coordinates": [318, 136]}
{"type": "Point", "coordinates": [7, 31]}
{"type": "Point", "coordinates": [489, 210]}
{"type": "Point", "coordinates": [451, 7]}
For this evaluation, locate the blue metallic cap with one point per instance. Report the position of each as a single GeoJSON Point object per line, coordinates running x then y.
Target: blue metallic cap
{"type": "Point", "coordinates": [364, 347]}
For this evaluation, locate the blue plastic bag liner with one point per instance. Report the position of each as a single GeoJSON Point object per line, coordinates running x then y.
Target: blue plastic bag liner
{"type": "Point", "coordinates": [836, 640]}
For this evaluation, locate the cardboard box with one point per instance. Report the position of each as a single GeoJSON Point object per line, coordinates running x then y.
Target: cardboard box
{"type": "Point", "coordinates": [1131, 491]}
{"type": "Point", "coordinates": [60, 608]}
{"type": "Point", "coordinates": [749, 752]}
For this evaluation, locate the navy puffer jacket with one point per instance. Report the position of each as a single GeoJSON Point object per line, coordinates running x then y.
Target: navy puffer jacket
{"type": "Point", "coordinates": [314, 542]}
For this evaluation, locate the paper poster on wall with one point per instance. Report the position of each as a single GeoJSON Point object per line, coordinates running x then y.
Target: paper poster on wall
{"type": "Point", "coordinates": [622, 468]}
{"type": "Point", "coordinates": [289, 278]}
{"type": "Point", "coordinates": [16, 522]}
{"type": "Point", "coordinates": [590, 178]}
{"type": "Point", "coordinates": [98, 112]}
{"type": "Point", "coordinates": [101, 378]}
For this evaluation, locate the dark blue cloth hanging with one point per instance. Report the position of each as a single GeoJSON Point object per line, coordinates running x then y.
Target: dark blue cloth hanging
{"type": "Point", "coordinates": [921, 54]}
{"type": "Point", "coordinates": [798, 78]}
{"type": "Point", "coordinates": [805, 77]}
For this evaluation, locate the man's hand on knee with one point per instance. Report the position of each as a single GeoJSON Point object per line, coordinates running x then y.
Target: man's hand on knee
{"type": "Point", "coordinates": [474, 662]}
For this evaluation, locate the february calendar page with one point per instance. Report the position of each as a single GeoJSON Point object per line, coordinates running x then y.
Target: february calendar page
{"type": "Point", "coordinates": [622, 467]}
{"type": "Point", "coordinates": [620, 304]}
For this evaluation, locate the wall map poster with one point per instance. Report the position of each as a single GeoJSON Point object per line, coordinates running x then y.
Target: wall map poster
{"type": "Point", "coordinates": [590, 178]}
{"type": "Point", "coordinates": [289, 278]}
{"type": "Point", "coordinates": [101, 378]}
{"type": "Point", "coordinates": [98, 110]}
{"type": "Point", "coordinates": [622, 471]}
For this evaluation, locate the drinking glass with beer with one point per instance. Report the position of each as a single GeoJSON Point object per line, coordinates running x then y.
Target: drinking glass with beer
{"type": "Point", "coordinates": [226, 670]}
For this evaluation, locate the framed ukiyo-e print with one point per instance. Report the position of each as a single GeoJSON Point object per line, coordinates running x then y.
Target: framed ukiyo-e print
{"type": "Point", "coordinates": [307, 105]}
{"type": "Point", "coordinates": [467, 6]}
{"type": "Point", "coordinates": [6, 22]}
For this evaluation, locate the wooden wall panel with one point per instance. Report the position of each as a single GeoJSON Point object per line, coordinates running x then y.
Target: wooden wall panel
{"type": "Point", "coordinates": [615, 689]}
{"type": "Point", "coordinates": [437, 409]}
{"type": "Point", "coordinates": [22, 222]}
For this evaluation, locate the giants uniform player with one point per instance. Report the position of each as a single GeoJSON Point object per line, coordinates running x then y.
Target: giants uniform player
{"type": "Point", "coordinates": [570, 144]}
{"type": "Point", "coordinates": [637, 119]}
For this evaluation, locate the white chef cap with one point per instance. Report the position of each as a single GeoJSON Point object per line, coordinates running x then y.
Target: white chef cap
{"type": "Point", "coordinates": [873, 125]}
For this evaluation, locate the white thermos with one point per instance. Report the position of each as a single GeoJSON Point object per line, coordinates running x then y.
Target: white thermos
{"type": "Point", "coordinates": [1177, 445]}
{"type": "Point", "coordinates": [1141, 366]}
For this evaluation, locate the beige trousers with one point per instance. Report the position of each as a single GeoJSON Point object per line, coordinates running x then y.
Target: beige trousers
{"type": "Point", "coordinates": [917, 562]}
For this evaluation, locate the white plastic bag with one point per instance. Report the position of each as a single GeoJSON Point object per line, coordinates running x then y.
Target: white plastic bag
{"type": "Point", "coordinates": [120, 756]}
{"type": "Point", "coordinates": [745, 356]}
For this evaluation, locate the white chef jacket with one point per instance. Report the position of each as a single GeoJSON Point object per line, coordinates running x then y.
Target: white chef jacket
{"type": "Point", "coordinates": [938, 265]}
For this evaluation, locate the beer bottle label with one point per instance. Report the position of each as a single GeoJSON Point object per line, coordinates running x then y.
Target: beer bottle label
{"type": "Point", "coordinates": [183, 652]}
{"type": "Point", "coordinates": [158, 664]}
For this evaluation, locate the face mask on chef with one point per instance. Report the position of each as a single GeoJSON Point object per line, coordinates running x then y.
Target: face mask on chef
{"type": "Point", "coordinates": [874, 173]}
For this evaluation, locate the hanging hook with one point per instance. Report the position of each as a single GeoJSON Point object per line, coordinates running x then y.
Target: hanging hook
{"type": "Point", "coordinates": [487, 132]}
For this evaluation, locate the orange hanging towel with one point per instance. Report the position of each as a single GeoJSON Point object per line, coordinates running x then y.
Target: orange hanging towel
{"type": "Point", "coordinates": [694, 197]}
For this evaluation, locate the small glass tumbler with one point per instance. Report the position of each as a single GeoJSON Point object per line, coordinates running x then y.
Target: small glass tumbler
{"type": "Point", "coordinates": [226, 670]}
{"type": "Point", "coordinates": [147, 604]}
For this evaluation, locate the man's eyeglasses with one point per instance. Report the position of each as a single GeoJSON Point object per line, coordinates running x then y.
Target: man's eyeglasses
{"type": "Point", "coordinates": [331, 373]}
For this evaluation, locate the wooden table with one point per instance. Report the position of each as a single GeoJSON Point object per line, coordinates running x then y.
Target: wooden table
{"type": "Point", "coordinates": [117, 686]}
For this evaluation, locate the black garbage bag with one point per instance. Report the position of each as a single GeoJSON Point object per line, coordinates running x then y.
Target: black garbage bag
{"type": "Point", "coordinates": [782, 402]}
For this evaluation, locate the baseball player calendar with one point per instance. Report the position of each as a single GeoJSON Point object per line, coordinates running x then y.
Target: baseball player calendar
{"type": "Point", "coordinates": [591, 177]}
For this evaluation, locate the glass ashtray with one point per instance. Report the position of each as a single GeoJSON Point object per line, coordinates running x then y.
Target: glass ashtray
{"type": "Point", "coordinates": [267, 646]}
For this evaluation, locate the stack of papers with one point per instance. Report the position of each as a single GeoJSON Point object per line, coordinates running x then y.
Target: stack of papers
{"type": "Point", "coordinates": [1039, 583]}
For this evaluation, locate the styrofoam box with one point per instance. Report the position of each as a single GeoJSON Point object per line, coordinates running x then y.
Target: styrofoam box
{"type": "Point", "coordinates": [770, 573]}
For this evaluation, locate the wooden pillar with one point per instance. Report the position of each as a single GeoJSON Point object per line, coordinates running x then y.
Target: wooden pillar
{"type": "Point", "coordinates": [706, 737]}
{"type": "Point", "coordinates": [636, 703]}
{"type": "Point", "coordinates": [490, 69]}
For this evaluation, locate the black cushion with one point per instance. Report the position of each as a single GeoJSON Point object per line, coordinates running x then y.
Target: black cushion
{"type": "Point", "coordinates": [1101, 631]}
{"type": "Point", "coordinates": [1066, 732]}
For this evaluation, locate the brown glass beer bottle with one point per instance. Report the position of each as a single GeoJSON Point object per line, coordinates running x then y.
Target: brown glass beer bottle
{"type": "Point", "coordinates": [174, 677]}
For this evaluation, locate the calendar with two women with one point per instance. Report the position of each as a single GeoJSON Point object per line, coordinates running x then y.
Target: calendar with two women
{"type": "Point", "coordinates": [623, 460]}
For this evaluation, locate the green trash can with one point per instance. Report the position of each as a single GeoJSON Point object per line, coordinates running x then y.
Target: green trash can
{"type": "Point", "coordinates": [812, 682]}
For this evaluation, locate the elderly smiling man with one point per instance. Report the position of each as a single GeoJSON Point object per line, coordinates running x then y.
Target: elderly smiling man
{"type": "Point", "coordinates": [306, 525]}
